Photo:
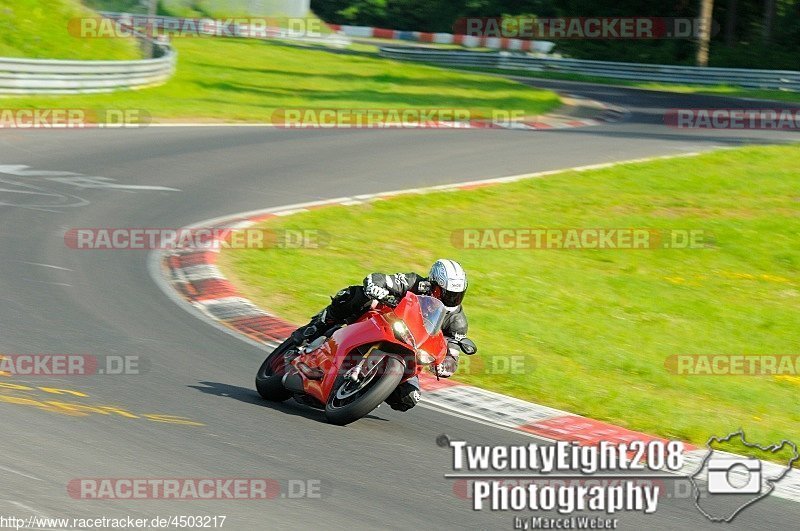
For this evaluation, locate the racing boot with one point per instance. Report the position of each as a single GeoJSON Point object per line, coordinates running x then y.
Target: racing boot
{"type": "Point", "coordinates": [405, 396]}
{"type": "Point", "coordinates": [314, 329]}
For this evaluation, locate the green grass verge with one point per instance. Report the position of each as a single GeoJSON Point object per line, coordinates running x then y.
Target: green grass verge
{"type": "Point", "coordinates": [118, 6]}
{"type": "Point", "coordinates": [221, 8]}
{"type": "Point", "coordinates": [595, 327]}
{"type": "Point", "coordinates": [37, 29]}
{"type": "Point", "coordinates": [245, 80]}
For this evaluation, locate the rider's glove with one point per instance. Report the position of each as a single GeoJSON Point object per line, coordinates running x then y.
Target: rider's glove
{"type": "Point", "coordinates": [375, 292]}
{"type": "Point", "coordinates": [424, 286]}
{"type": "Point", "coordinates": [447, 367]}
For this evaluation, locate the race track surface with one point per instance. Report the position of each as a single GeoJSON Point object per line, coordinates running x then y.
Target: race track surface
{"type": "Point", "coordinates": [383, 471]}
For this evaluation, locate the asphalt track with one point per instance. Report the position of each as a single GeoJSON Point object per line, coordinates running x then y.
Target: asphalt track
{"type": "Point", "coordinates": [384, 471]}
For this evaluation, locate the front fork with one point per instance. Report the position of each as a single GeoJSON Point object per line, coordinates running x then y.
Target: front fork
{"type": "Point", "coordinates": [354, 372]}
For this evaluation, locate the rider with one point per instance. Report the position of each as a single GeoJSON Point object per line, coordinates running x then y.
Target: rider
{"type": "Point", "coordinates": [446, 281]}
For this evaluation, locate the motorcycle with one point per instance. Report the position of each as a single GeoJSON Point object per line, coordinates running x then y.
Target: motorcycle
{"type": "Point", "coordinates": [352, 369]}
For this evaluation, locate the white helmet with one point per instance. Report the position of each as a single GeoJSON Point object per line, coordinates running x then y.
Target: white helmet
{"type": "Point", "coordinates": [451, 280]}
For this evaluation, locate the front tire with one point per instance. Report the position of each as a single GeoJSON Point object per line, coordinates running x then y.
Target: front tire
{"type": "Point", "coordinates": [269, 381]}
{"type": "Point", "coordinates": [348, 405]}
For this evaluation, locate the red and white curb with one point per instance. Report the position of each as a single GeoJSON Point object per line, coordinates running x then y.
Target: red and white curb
{"type": "Point", "coordinates": [605, 114]}
{"type": "Point", "coordinates": [190, 277]}
{"type": "Point", "coordinates": [564, 117]}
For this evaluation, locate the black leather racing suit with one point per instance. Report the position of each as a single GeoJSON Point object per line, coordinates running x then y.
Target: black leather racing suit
{"type": "Point", "coordinates": [351, 302]}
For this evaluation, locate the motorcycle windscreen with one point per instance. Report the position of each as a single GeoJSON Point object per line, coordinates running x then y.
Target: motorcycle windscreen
{"type": "Point", "coordinates": [422, 315]}
{"type": "Point", "coordinates": [433, 312]}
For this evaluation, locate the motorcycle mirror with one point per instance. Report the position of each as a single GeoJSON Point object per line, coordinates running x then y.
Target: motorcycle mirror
{"type": "Point", "coordinates": [468, 346]}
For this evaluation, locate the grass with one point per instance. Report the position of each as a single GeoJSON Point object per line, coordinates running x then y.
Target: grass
{"type": "Point", "coordinates": [594, 327]}
{"type": "Point", "coordinates": [38, 29]}
{"type": "Point", "coordinates": [221, 8]}
{"type": "Point", "coordinates": [118, 6]}
{"type": "Point", "coordinates": [246, 80]}
{"type": "Point", "coordinates": [269, 10]}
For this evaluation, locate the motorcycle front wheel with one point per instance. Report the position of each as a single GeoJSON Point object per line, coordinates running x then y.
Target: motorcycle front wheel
{"type": "Point", "coordinates": [350, 401]}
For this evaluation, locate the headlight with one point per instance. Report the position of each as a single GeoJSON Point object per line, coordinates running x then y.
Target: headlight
{"type": "Point", "coordinates": [423, 358]}
{"type": "Point", "coordinates": [402, 332]}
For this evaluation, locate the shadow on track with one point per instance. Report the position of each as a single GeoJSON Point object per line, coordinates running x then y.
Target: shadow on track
{"type": "Point", "coordinates": [250, 396]}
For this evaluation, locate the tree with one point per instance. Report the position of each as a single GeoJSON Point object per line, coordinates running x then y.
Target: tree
{"type": "Point", "coordinates": [731, 18]}
{"type": "Point", "coordinates": [704, 37]}
{"type": "Point", "coordinates": [769, 18]}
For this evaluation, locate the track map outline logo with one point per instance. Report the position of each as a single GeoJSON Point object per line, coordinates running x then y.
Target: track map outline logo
{"type": "Point", "coordinates": [754, 471]}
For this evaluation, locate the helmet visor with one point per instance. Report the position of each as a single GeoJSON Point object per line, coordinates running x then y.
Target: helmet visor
{"type": "Point", "coordinates": [452, 298]}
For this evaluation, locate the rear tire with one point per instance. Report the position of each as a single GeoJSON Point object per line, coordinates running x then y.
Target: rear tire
{"type": "Point", "coordinates": [391, 370]}
{"type": "Point", "coordinates": [269, 383]}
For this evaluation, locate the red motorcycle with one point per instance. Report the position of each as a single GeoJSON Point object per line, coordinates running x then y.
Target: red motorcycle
{"type": "Point", "coordinates": [352, 369]}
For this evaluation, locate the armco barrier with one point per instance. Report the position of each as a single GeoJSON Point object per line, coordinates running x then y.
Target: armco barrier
{"type": "Point", "coordinates": [33, 76]}
{"type": "Point", "coordinates": [50, 76]}
{"type": "Point", "coordinates": [762, 79]}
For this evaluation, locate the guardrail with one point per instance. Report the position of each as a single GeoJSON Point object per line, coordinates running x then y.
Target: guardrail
{"type": "Point", "coordinates": [761, 79]}
{"type": "Point", "coordinates": [50, 76]}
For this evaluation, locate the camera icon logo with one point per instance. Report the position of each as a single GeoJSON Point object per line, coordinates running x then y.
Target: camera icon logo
{"type": "Point", "coordinates": [726, 483]}
{"type": "Point", "coordinates": [734, 476]}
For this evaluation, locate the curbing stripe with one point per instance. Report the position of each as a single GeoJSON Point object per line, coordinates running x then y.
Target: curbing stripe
{"type": "Point", "coordinates": [473, 124]}
{"type": "Point", "coordinates": [200, 272]}
{"type": "Point", "coordinates": [228, 308]}
{"type": "Point", "coordinates": [586, 431]}
{"type": "Point", "coordinates": [604, 113]}
{"type": "Point", "coordinates": [505, 410]}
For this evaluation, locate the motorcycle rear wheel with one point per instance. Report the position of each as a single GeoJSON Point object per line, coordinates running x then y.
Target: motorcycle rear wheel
{"type": "Point", "coordinates": [269, 383]}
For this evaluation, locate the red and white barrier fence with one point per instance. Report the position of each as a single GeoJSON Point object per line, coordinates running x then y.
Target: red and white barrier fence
{"type": "Point", "coordinates": [469, 41]}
